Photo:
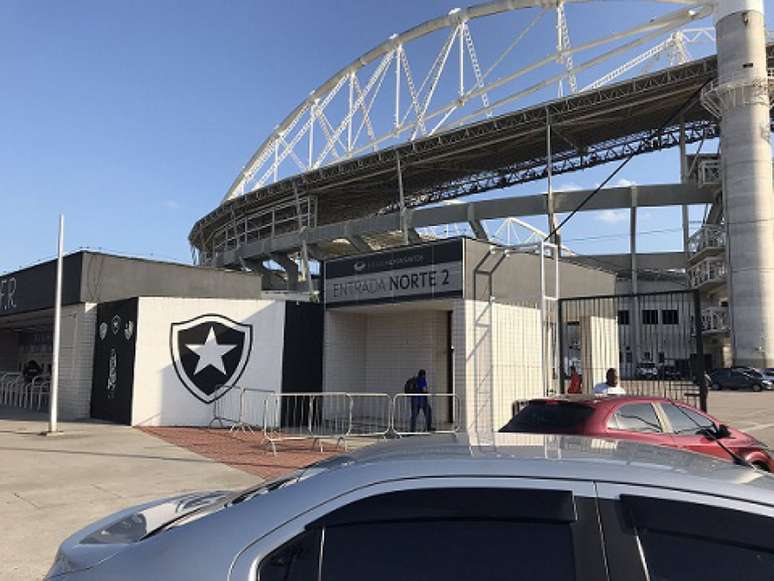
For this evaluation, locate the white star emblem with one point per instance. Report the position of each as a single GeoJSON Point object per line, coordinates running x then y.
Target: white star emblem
{"type": "Point", "coordinates": [210, 353]}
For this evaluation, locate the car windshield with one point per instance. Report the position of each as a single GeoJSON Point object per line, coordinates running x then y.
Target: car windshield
{"type": "Point", "coordinates": [550, 417]}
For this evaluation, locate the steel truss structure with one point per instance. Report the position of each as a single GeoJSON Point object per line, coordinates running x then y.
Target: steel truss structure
{"type": "Point", "coordinates": [377, 101]}
{"type": "Point", "coordinates": [397, 143]}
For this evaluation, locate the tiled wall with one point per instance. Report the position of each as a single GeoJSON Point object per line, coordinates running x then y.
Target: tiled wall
{"type": "Point", "coordinates": [76, 360]}
{"type": "Point", "coordinates": [497, 362]}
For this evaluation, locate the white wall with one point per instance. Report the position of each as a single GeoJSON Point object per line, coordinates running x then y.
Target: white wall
{"type": "Point", "coordinates": [497, 362]}
{"type": "Point", "coordinates": [400, 344]}
{"type": "Point", "coordinates": [344, 352]}
{"type": "Point", "coordinates": [377, 353]}
{"type": "Point", "coordinates": [76, 360]}
{"type": "Point", "coordinates": [159, 396]}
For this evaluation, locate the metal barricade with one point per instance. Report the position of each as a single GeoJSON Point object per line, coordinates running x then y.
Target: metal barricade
{"type": "Point", "coordinates": [370, 415]}
{"type": "Point", "coordinates": [38, 388]}
{"type": "Point", "coordinates": [440, 413]}
{"type": "Point", "coordinates": [303, 416]}
{"type": "Point", "coordinates": [242, 408]}
{"type": "Point", "coordinates": [227, 409]}
{"type": "Point", "coordinates": [11, 385]}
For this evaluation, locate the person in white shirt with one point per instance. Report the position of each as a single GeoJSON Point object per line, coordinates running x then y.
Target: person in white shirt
{"type": "Point", "coordinates": [610, 386]}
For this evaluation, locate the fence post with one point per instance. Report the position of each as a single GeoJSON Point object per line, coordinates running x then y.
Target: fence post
{"type": "Point", "coordinates": [560, 336]}
{"type": "Point", "coordinates": [700, 371]}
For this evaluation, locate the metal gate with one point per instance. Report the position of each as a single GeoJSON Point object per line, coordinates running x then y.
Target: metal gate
{"type": "Point", "coordinates": [653, 340]}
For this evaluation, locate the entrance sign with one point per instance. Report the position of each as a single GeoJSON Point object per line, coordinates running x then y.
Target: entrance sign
{"type": "Point", "coordinates": [427, 271]}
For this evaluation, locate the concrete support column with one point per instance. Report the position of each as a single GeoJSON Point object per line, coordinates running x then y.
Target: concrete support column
{"type": "Point", "coordinates": [290, 268]}
{"type": "Point", "coordinates": [747, 181]}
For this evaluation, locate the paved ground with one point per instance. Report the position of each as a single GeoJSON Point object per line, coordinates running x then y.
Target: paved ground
{"type": "Point", "coordinates": [750, 412]}
{"type": "Point", "coordinates": [248, 450]}
{"type": "Point", "coordinates": [52, 486]}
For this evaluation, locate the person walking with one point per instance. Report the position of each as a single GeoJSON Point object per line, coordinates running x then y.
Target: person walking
{"type": "Point", "coordinates": [419, 401]}
{"type": "Point", "coordinates": [610, 385]}
{"type": "Point", "coordinates": [576, 382]}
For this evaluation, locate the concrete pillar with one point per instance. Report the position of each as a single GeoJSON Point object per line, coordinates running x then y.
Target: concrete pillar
{"type": "Point", "coordinates": [749, 203]}
{"type": "Point", "coordinates": [290, 268]}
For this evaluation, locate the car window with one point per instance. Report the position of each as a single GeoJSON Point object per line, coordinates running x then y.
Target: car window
{"type": "Point", "coordinates": [297, 560]}
{"type": "Point", "coordinates": [484, 550]}
{"type": "Point", "coordinates": [542, 417]}
{"type": "Point", "coordinates": [686, 421]}
{"type": "Point", "coordinates": [635, 417]}
{"type": "Point", "coordinates": [679, 558]}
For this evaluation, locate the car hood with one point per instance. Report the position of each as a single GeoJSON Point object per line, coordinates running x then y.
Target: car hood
{"type": "Point", "coordinates": [103, 539]}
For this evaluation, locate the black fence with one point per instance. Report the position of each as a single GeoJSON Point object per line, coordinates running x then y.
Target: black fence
{"type": "Point", "coordinates": [653, 341]}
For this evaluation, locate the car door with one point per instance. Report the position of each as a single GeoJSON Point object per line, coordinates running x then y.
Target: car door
{"type": "Point", "coordinates": [442, 529]}
{"type": "Point", "coordinates": [720, 377]}
{"type": "Point", "coordinates": [637, 421]}
{"type": "Point", "coordinates": [686, 425]}
{"type": "Point", "coordinates": [669, 535]}
{"type": "Point", "coordinates": [739, 380]}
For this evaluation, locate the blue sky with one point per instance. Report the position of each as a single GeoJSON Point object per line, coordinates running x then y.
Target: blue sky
{"type": "Point", "coordinates": [134, 117]}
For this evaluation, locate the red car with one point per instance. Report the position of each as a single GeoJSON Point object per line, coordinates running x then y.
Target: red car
{"type": "Point", "coordinates": [650, 420]}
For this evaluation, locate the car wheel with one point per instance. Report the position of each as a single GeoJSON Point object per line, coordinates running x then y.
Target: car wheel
{"type": "Point", "coordinates": [757, 387]}
{"type": "Point", "coordinates": [716, 387]}
{"type": "Point", "coordinates": [761, 466]}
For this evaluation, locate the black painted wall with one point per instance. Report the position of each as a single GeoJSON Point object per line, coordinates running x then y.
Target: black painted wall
{"type": "Point", "coordinates": [302, 353]}
{"type": "Point", "coordinates": [114, 352]}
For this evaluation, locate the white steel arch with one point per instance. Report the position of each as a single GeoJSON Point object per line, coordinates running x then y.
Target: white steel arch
{"type": "Point", "coordinates": [341, 119]}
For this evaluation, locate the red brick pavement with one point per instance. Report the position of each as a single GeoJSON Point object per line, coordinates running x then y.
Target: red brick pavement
{"type": "Point", "coordinates": [243, 450]}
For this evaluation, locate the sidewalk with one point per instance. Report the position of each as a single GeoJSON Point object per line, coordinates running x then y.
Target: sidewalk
{"type": "Point", "coordinates": [50, 486]}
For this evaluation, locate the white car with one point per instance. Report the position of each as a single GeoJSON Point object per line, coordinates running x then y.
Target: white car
{"type": "Point", "coordinates": [647, 370]}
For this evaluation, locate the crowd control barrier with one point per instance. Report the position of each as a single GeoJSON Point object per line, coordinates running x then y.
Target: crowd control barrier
{"type": "Point", "coordinates": [241, 408]}
{"type": "Point", "coordinates": [336, 416]}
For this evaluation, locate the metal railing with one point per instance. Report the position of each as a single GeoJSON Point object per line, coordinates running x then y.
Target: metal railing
{"type": "Point", "coordinates": [336, 416]}
{"type": "Point", "coordinates": [242, 408]}
{"type": "Point", "coordinates": [11, 388]}
{"type": "Point", "coordinates": [16, 391]}
{"type": "Point", "coordinates": [710, 236]}
{"type": "Point", "coordinates": [708, 271]}
{"type": "Point", "coordinates": [714, 319]}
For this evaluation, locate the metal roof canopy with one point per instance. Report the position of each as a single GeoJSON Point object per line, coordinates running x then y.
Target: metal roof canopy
{"type": "Point", "coordinates": [591, 128]}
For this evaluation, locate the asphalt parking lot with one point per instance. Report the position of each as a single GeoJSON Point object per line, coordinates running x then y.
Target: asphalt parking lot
{"type": "Point", "coordinates": [51, 486]}
{"type": "Point", "coordinates": [747, 411]}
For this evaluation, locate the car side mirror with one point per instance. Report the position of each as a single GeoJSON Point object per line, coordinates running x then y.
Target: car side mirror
{"type": "Point", "coordinates": [722, 431]}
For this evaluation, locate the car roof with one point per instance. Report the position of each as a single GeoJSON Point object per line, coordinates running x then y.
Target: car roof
{"type": "Point", "coordinates": [603, 401]}
{"type": "Point", "coordinates": [564, 457]}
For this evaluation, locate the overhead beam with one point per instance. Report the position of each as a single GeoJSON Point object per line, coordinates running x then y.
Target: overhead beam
{"type": "Point", "coordinates": [517, 206]}
{"type": "Point", "coordinates": [621, 263]}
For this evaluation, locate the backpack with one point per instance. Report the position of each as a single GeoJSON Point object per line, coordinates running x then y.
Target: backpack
{"type": "Point", "coordinates": [410, 386]}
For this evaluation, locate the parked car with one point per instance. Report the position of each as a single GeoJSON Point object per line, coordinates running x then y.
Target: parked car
{"type": "Point", "coordinates": [669, 372]}
{"type": "Point", "coordinates": [647, 370]}
{"type": "Point", "coordinates": [767, 373]}
{"type": "Point", "coordinates": [650, 420]}
{"type": "Point", "coordinates": [738, 378]}
{"type": "Point", "coordinates": [445, 508]}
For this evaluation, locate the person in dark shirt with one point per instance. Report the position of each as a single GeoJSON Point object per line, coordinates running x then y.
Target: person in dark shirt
{"type": "Point", "coordinates": [419, 401]}
{"type": "Point", "coordinates": [31, 370]}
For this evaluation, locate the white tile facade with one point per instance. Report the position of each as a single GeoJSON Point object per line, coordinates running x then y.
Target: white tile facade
{"type": "Point", "coordinates": [497, 362]}
{"type": "Point", "coordinates": [76, 360]}
{"type": "Point", "coordinates": [377, 353]}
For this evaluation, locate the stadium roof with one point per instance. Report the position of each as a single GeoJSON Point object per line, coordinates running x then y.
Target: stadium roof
{"type": "Point", "coordinates": [588, 129]}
